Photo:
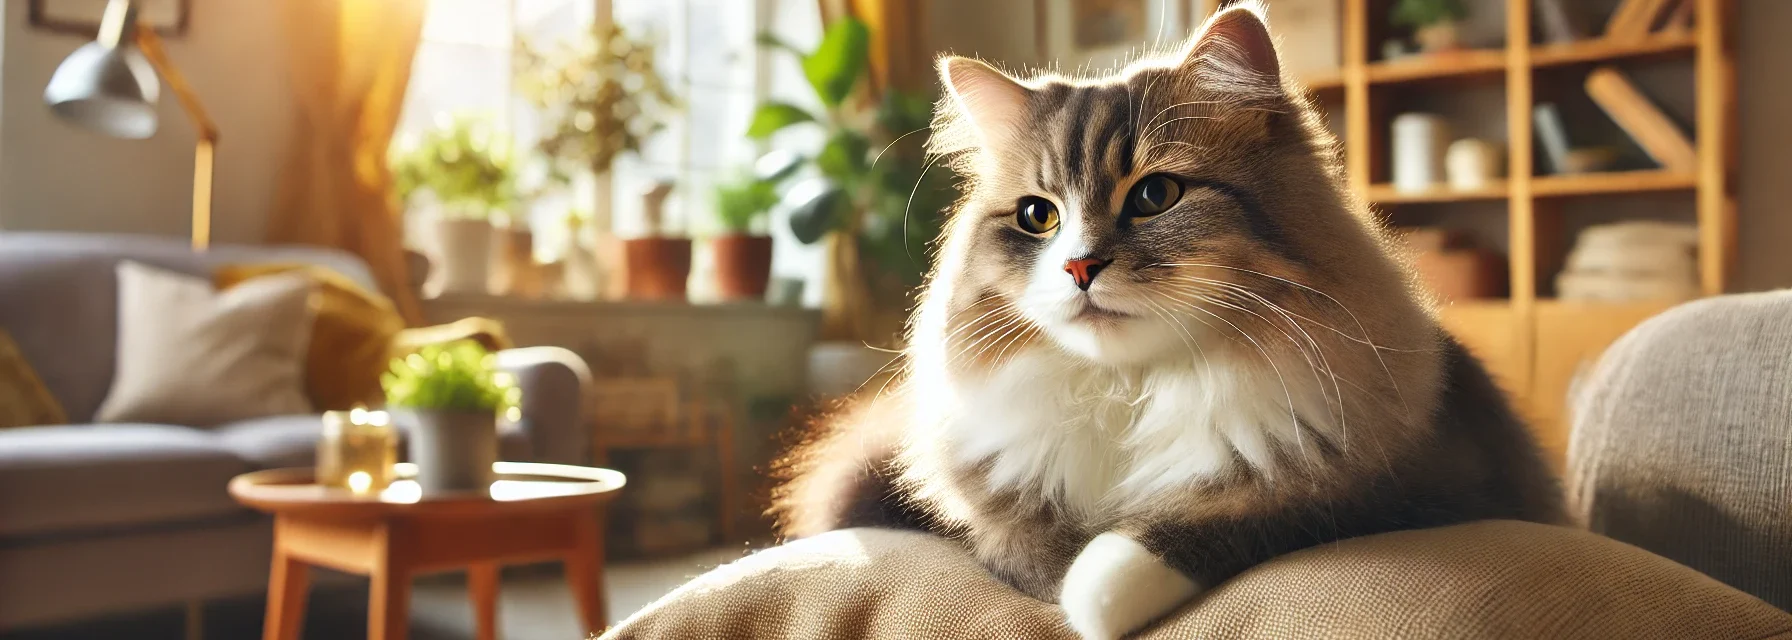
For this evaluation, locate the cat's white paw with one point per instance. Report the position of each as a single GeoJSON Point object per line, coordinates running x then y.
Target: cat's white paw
{"type": "Point", "coordinates": [1116, 586]}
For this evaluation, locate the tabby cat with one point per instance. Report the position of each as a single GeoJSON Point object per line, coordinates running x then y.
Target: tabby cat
{"type": "Point", "coordinates": [1163, 344]}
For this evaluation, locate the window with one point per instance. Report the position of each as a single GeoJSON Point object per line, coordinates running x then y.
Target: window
{"type": "Point", "coordinates": [705, 51]}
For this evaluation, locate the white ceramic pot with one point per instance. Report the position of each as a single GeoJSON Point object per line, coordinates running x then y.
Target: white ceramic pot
{"type": "Point", "coordinates": [453, 450]}
{"type": "Point", "coordinates": [1418, 142]}
{"type": "Point", "coordinates": [464, 247]}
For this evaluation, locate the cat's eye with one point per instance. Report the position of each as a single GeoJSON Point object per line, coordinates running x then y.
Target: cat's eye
{"type": "Point", "coordinates": [1153, 195]}
{"type": "Point", "coordinates": [1036, 215]}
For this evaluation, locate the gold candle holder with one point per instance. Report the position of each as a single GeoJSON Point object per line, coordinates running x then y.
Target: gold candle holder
{"type": "Point", "coordinates": [357, 451]}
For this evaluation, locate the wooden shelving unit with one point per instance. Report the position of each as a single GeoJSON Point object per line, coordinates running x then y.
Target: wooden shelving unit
{"type": "Point", "coordinates": [1531, 343]}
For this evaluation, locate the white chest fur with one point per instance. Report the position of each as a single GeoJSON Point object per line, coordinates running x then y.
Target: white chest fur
{"type": "Point", "coordinates": [1100, 439]}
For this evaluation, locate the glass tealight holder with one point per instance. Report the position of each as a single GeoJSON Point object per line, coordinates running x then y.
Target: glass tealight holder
{"type": "Point", "coordinates": [357, 451]}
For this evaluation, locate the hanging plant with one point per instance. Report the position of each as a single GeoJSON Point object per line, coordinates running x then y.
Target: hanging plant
{"type": "Point", "coordinates": [600, 96]}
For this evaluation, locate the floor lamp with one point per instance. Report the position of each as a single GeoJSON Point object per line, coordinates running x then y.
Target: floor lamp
{"type": "Point", "coordinates": [109, 85]}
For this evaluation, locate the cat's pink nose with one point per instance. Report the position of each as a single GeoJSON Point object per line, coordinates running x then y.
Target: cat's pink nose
{"type": "Point", "coordinates": [1083, 270]}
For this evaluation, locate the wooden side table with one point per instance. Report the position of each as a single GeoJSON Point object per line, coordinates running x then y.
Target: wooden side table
{"type": "Point", "coordinates": [533, 512]}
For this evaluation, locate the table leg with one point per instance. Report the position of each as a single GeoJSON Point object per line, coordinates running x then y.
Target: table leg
{"type": "Point", "coordinates": [585, 573]}
{"type": "Point", "coordinates": [388, 592]}
{"type": "Point", "coordinates": [289, 579]}
{"type": "Point", "coordinates": [482, 591]}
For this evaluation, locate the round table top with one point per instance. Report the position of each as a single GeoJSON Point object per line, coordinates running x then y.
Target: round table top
{"type": "Point", "coordinates": [520, 487]}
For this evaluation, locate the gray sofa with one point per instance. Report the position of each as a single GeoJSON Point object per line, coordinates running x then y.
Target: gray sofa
{"type": "Point", "coordinates": [101, 518]}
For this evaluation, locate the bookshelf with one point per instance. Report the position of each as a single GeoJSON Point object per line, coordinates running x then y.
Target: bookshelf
{"type": "Point", "coordinates": [1532, 343]}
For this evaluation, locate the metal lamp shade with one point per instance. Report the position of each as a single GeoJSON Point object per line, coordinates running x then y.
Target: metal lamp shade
{"type": "Point", "coordinates": [110, 89]}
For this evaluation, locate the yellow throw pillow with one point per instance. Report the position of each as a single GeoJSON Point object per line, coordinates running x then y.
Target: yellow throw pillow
{"type": "Point", "coordinates": [23, 399]}
{"type": "Point", "coordinates": [350, 340]}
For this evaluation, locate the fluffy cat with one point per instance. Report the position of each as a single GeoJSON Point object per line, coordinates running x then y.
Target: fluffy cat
{"type": "Point", "coordinates": [1163, 344]}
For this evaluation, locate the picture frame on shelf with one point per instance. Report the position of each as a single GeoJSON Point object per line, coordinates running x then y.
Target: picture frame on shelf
{"type": "Point", "coordinates": [82, 17]}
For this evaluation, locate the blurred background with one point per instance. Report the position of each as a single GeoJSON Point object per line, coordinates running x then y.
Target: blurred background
{"type": "Point", "coordinates": [721, 209]}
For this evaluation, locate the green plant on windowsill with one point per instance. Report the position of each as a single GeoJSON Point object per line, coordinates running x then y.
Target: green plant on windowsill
{"type": "Point", "coordinates": [459, 376]}
{"type": "Point", "coordinates": [464, 161]}
{"type": "Point", "coordinates": [743, 201]}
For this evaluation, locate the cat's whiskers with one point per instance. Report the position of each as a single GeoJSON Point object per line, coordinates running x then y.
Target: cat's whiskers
{"type": "Point", "coordinates": [1188, 338]}
{"type": "Point", "coordinates": [1293, 417]}
{"type": "Point", "coordinates": [1316, 359]}
{"type": "Point", "coordinates": [1395, 385]}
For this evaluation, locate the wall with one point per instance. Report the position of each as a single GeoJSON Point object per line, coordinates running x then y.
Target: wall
{"type": "Point", "coordinates": [1003, 31]}
{"type": "Point", "coordinates": [54, 176]}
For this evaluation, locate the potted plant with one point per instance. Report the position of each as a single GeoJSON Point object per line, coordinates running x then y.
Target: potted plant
{"type": "Point", "coordinates": [464, 166]}
{"type": "Point", "coordinates": [1434, 22]}
{"type": "Point", "coordinates": [743, 254]}
{"type": "Point", "coordinates": [599, 97]}
{"type": "Point", "coordinates": [657, 265]}
{"type": "Point", "coordinates": [866, 191]}
{"type": "Point", "coordinates": [450, 397]}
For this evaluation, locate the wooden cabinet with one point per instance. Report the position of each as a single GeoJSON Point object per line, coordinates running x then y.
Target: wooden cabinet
{"type": "Point", "coordinates": [1537, 357]}
{"type": "Point", "coordinates": [1570, 337]}
{"type": "Point", "coordinates": [1494, 333]}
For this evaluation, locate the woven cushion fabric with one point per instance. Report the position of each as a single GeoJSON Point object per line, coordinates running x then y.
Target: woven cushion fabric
{"type": "Point", "coordinates": [351, 337]}
{"type": "Point", "coordinates": [1493, 579]}
{"type": "Point", "coordinates": [1682, 441]}
{"type": "Point", "coordinates": [24, 400]}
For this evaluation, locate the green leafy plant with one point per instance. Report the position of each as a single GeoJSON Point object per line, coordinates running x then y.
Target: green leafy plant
{"type": "Point", "coordinates": [464, 161]}
{"type": "Point", "coordinates": [743, 200]}
{"type": "Point", "coordinates": [869, 178]}
{"type": "Point", "coordinates": [1422, 13]}
{"type": "Point", "coordinates": [458, 376]}
{"type": "Point", "coordinates": [601, 96]}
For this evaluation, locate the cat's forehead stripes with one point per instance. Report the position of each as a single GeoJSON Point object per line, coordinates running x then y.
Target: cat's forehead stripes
{"type": "Point", "coordinates": [1087, 137]}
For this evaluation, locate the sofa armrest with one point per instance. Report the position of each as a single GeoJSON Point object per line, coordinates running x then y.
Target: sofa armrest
{"type": "Point", "coordinates": [1492, 579]}
{"type": "Point", "coordinates": [554, 383]}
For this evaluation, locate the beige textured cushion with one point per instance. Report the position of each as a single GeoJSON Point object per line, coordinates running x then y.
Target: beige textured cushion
{"type": "Point", "coordinates": [189, 355]}
{"type": "Point", "coordinates": [1682, 441]}
{"type": "Point", "coordinates": [1494, 579]}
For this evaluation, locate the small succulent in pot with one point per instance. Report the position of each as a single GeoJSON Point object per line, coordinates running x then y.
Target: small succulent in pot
{"type": "Point", "coordinates": [450, 397]}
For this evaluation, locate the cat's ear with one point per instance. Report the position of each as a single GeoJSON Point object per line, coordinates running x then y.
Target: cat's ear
{"type": "Point", "coordinates": [1235, 52]}
{"type": "Point", "coordinates": [995, 104]}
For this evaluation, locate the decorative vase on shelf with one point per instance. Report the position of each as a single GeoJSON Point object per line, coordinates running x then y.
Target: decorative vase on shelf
{"type": "Point", "coordinates": [465, 245]}
{"type": "Point", "coordinates": [581, 276]}
{"type": "Point", "coordinates": [1418, 143]}
{"type": "Point", "coordinates": [514, 270]}
{"type": "Point", "coordinates": [453, 450]}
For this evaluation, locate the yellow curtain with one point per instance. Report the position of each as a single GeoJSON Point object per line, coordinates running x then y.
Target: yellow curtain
{"type": "Point", "coordinates": [351, 63]}
{"type": "Point", "coordinates": [896, 58]}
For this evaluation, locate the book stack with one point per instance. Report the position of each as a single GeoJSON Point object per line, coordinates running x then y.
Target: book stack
{"type": "Point", "coordinates": [1632, 261]}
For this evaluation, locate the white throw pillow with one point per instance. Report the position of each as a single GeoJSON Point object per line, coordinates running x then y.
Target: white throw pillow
{"type": "Point", "coordinates": [191, 355]}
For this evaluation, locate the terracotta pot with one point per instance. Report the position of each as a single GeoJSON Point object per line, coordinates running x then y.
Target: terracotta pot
{"type": "Point", "coordinates": [743, 266]}
{"type": "Point", "coordinates": [1462, 274]}
{"type": "Point", "coordinates": [657, 267]}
